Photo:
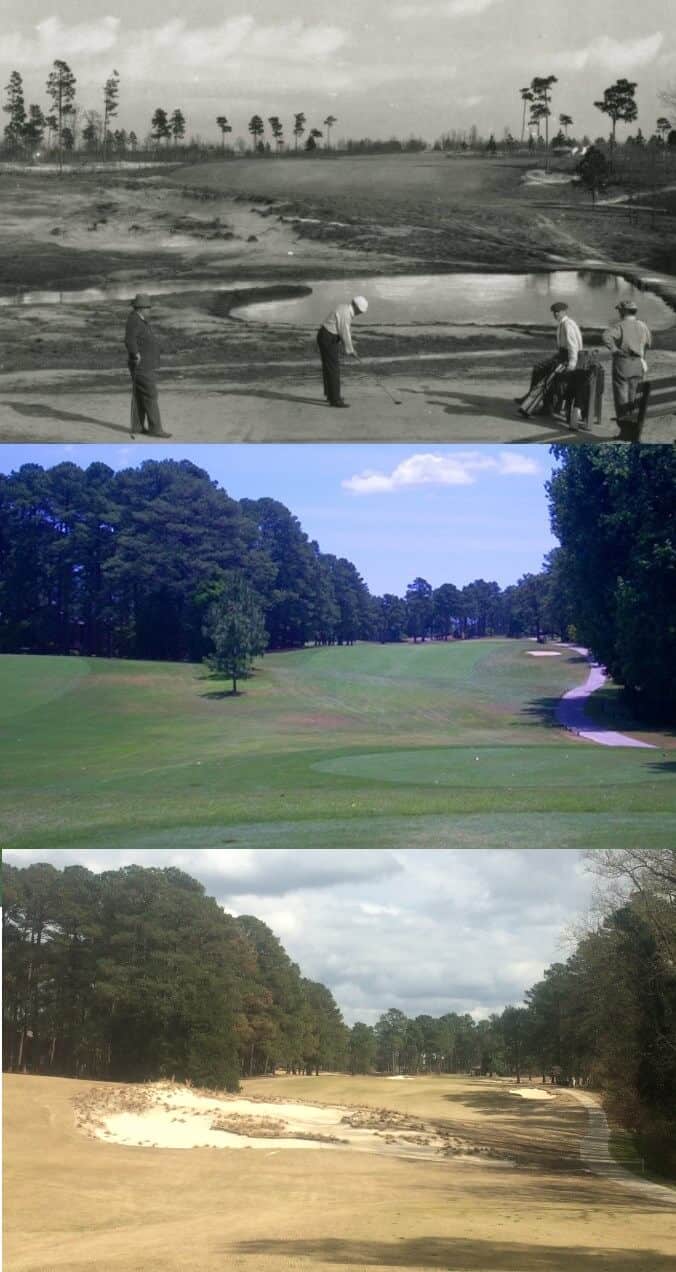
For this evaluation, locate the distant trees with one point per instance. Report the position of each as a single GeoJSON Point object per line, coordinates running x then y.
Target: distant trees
{"type": "Point", "coordinates": [15, 107]}
{"type": "Point", "coordinates": [299, 122]}
{"type": "Point", "coordinates": [61, 89]}
{"type": "Point", "coordinates": [277, 130]}
{"type": "Point", "coordinates": [566, 122]}
{"type": "Point", "coordinates": [314, 137]}
{"type": "Point", "coordinates": [619, 103]}
{"type": "Point", "coordinates": [177, 126]}
{"type": "Point", "coordinates": [593, 171]}
{"type": "Point", "coordinates": [256, 128]}
{"type": "Point", "coordinates": [328, 124]}
{"type": "Point", "coordinates": [111, 93]}
{"type": "Point", "coordinates": [541, 88]}
{"type": "Point", "coordinates": [160, 128]}
{"type": "Point", "coordinates": [224, 126]}
{"type": "Point", "coordinates": [527, 97]}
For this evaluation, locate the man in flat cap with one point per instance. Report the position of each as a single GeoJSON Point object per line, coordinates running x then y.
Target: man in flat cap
{"type": "Point", "coordinates": [569, 346]}
{"type": "Point", "coordinates": [334, 331]}
{"type": "Point", "coordinates": [144, 359]}
{"type": "Point", "coordinates": [628, 341]}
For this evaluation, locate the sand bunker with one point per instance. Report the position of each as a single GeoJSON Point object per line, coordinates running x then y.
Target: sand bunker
{"type": "Point", "coordinates": [168, 1116]}
{"type": "Point", "coordinates": [543, 653]}
{"type": "Point", "coordinates": [531, 1093]}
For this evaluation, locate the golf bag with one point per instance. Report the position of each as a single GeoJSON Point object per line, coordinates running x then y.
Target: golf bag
{"type": "Point", "coordinates": [583, 388]}
{"type": "Point", "coordinates": [546, 394]}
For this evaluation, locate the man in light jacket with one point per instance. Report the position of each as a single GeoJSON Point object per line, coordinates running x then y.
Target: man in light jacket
{"type": "Point", "coordinates": [628, 341]}
{"type": "Point", "coordinates": [143, 351]}
{"type": "Point", "coordinates": [334, 331]}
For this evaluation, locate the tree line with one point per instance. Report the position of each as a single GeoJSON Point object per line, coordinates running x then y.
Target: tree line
{"type": "Point", "coordinates": [136, 563]}
{"type": "Point", "coordinates": [135, 974]}
{"type": "Point", "coordinates": [605, 1018]}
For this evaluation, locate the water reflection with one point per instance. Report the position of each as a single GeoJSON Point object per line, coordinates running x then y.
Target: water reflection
{"type": "Point", "coordinates": [469, 298]}
{"type": "Point", "coordinates": [404, 300]}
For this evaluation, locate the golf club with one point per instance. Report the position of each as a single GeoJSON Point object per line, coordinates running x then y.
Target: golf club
{"type": "Point", "coordinates": [397, 401]}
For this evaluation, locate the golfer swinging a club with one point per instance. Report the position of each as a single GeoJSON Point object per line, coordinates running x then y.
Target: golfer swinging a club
{"type": "Point", "coordinates": [334, 331]}
{"type": "Point", "coordinates": [143, 352]}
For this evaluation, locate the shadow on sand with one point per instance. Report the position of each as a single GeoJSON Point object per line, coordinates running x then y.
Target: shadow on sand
{"type": "Point", "coordinates": [457, 1255]}
{"type": "Point", "coordinates": [40, 410]}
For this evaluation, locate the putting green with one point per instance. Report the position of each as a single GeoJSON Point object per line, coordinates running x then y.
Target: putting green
{"type": "Point", "coordinates": [502, 766]}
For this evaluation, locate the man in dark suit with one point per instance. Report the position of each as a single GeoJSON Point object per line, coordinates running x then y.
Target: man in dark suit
{"type": "Point", "coordinates": [144, 359]}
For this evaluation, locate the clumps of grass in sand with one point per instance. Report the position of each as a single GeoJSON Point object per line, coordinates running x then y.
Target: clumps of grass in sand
{"type": "Point", "coordinates": [267, 1128]}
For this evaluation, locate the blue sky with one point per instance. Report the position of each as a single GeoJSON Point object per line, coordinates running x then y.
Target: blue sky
{"type": "Point", "coordinates": [451, 513]}
{"type": "Point", "coordinates": [388, 66]}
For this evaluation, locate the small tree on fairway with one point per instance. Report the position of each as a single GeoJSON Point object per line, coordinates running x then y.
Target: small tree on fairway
{"type": "Point", "coordinates": [61, 88]}
{"type": "Point", "coordinates": [593, 171]}
{"type": "Point", "coordinates": [256, 128]}
{"type": "Point", "coordinates": [298, 127]}
{"type": "Point", "coordinates": [15, 107]}
{"type": "Point", "coordinates": [177, 126]}
{"type": "Point", "coordinates": [224, 126]}
{"type": "Point", "coordinates": [328, 124]}
{"type": "Point", "coordinates": [619, 103]}
{"type": "Point", "coordinates": [111, 91]}
{"type": "Point", "coordinates": [236, 628]}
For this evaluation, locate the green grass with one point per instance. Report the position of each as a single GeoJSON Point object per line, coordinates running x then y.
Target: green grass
{"type": "Point", "coordinates": [625, 1149]}
{"type": "Point", "coordinates": [385, 746]}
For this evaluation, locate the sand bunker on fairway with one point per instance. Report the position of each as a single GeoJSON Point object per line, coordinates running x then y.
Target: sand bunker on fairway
{"type": "Point", "coordinates": [543, 653]}
{"type": "Point", "coordinates": [531, 1093]}
{"type": "Point", "coordinates": [163, 1115]}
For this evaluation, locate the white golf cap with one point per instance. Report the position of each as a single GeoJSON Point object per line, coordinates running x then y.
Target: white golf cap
{"type": "Point", "coordinates": [360, 303]}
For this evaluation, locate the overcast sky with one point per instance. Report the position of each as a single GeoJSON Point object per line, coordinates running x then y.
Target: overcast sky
{"type": "Point", "coordinates": [450, 513]}
{"type": "Point", "coordinates": [381, 67]}
{"type": "Point", "coordinates": [424, 930]}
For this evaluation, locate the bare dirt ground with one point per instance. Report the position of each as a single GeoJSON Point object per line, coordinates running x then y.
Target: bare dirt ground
{"type": "Point", "coordinates": [195, 231]}
{"type": "Point", "coordinates": [107, 1207]}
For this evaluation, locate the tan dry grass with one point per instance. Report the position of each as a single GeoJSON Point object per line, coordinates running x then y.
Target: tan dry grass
{"type": "Point", "coordinates": [75, 1204]}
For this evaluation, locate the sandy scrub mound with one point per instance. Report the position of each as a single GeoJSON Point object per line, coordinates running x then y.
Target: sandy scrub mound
{"type": "Point", "coordinates": [531, 1093]}
{"type": "Point", "coordinates": [168, 1116]}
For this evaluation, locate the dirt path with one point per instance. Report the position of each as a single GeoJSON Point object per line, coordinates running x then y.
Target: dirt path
{"type": "Point", "coordinates": [284, 403]}
{"type": "Point", "coordinates": [595, 1153]}
{"type": "Point", "coordinates": [571, 710]}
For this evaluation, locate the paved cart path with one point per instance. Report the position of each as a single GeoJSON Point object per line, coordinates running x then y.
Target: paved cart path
{"type": "Point", "coordinates": [571, 710]}
{"type": "Point", "coordinates": [595, 1153]}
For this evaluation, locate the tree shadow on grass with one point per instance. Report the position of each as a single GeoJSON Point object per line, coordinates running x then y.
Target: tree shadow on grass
{"type": "Point", "coordinates": [460, 1254]}
{"type": "Point", "coordinates": [215, 695]}
{"type": "Point", "coordinates": [39, 410]}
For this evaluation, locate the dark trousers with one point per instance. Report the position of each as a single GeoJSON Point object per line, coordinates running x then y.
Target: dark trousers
{"type": "Point", "coordinates": [144, 404]}
{"type": "Point", "coordinates": [627, 376]}
{"type": "Point", "coordinates": [329, 347]}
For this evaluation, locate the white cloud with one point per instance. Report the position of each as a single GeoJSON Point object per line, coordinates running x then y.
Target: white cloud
{"type": "Point", "coordinates": [605, 53]}
{"type": "Point", "coordinates": [239, 47]}
{"type": "Point", "coordinates": [54, 40]}
{"type": "Point", "coordinates": [428, 469]}
{"type": "Point", "coordinates": [443, 9]}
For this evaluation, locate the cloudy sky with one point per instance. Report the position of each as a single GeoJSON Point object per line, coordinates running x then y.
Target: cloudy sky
{"type": "Point", "coordinates": [382, 67]}
{"type": "Point", "coordinates": [450, 513]}
{"type": "Point", "coordinates": [424, 930]}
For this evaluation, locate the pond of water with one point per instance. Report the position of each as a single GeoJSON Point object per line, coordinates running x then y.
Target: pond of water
{"type": "Point", "coordinates": [484, 299]}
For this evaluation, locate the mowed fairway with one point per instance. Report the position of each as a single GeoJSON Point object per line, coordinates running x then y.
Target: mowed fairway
{"type": "Point", "coordinates": [379, 746]}
{"type": "Point", "coordinates": [79, 1204]}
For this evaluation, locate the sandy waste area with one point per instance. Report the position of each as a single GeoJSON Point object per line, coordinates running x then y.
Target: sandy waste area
{"type": "Point", "coordinates": [170, 1116]}
{"type": "Point", "coordinates": [531, 1093]}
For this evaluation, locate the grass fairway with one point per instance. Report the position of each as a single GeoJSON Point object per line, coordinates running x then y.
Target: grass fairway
{"type": "Point", "coordinates": [386, 746]}
{"type": "Point", "coordinates": [103, 1207]}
